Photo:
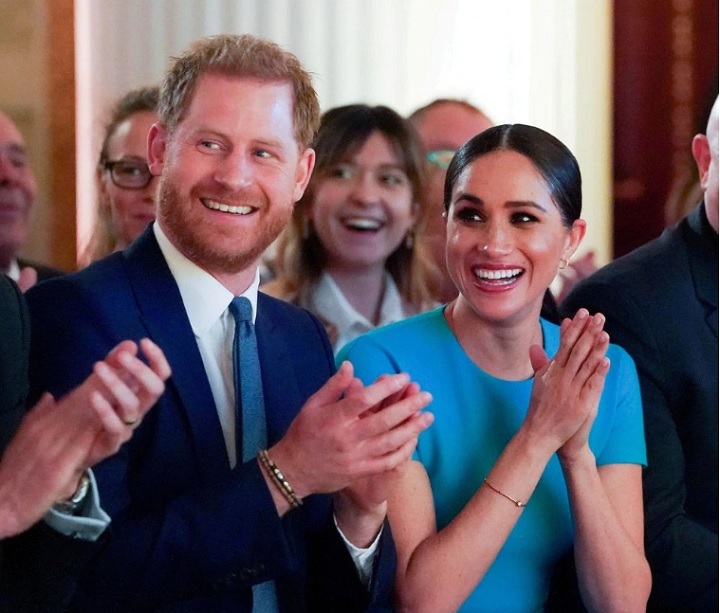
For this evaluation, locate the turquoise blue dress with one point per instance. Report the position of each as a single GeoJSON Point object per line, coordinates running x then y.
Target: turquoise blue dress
{"type": "Point", "coordinates": [476, 415]}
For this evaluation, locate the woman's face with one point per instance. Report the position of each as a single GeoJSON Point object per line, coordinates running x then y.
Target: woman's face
{"type": "Point", "coordinates": [363, 207]}
{"type": "Point", "coordinates": [505, 236]}
{"type": "Point", "coordinates": [130, 209]}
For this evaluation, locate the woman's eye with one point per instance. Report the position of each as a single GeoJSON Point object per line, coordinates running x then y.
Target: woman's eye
{"type": "Point", "coordinates": [130, 171]}
{"type": "Point", "coordinates": [469, 214]}
{"type": "Point", "coordinates": [341, 172]}
{"type": "Point", "coordinates": [392, 179]}
{"type": "Point", "coordinates": [523, 218]}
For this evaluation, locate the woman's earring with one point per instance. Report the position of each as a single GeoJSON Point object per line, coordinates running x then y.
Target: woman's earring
{"type": "Point", "coordinates": [563, 264]}
{"type": "Point", "coordinates": [305, 228]}
{"type": "Point", "coordinates": [410, 239]}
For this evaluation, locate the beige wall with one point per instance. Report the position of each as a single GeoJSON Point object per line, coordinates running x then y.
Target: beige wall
{"type": "Point", "coordinates": [37, 89]}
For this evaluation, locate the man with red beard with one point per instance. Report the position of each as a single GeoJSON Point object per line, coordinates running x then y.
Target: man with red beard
{"type": "Point", "coordinates": [197, 525]}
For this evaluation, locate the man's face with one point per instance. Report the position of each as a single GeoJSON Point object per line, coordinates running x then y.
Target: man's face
{"type": "Point", "coordinates": [17, 191]}
{"type": "Point", "coordinates": [705, 151]}
{"type": "Point", "coordinates": [231, 172]}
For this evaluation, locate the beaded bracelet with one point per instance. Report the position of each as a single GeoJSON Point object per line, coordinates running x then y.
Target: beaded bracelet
{"type": "Point", "coordinates": [517, 503]}
{"type": "Point", "coordinates": [279, 479]}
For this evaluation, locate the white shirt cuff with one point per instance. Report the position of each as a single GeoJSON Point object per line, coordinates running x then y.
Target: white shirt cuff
{"type": "Point", "coordinates": [363, 558]}
{"type": "Point", "coordinates": [88, 526]}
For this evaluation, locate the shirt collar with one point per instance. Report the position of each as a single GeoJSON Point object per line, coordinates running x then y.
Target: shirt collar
{"type": "Point", "coordinates": [14, 270]}
{"type": "Point", "coordinates": [330, 304]}
{"type": "Point", "coordinates": [204, 297]}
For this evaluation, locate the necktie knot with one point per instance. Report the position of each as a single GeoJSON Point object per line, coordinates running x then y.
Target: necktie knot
{"type": "Point", "coordinates": [241, 309]}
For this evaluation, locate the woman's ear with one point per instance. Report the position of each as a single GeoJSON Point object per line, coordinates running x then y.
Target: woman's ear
{"type": "Point", "coordinates": [103, 195]}
{"type": "Point", "coordinates": [574, 238]}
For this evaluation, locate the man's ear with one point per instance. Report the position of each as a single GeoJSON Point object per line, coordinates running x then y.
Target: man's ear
{"type": "Point", "coordinates": [305, 166]}
{"type": "Point", "coordinates": [157, 145]}
{"type": "Point", "coordinates": [701, 153]}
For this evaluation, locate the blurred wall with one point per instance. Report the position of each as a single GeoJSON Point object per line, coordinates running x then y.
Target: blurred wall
{"type": "Point", "coordinates": [23, 96]}
{"type": "Point", "coordinates": [544, 62]}
{"type": "Point", "coordinates": [665, 79]}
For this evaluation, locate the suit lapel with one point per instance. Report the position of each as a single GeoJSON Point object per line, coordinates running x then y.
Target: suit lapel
{"type": "Point", "coordinates": [280, 390]}
{"type": "Point", "coordinates": [163, 313]}
{"type": "Point", "coordinates": [703, 256]}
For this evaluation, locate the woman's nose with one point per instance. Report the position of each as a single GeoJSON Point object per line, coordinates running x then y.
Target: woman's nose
{"type": "Point", "coordinates": [364, 189]}
{"type": "Point", "coordinates": [495, 241]}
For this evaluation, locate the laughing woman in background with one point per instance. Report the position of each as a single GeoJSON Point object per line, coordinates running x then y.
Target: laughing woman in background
{"type": "Point", "coordinates": [350, 256]}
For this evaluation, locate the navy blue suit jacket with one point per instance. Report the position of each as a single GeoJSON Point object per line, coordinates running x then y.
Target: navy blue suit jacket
{"type": "Point", "coordinates": [661, 304]}
{"type": "Point", "coordinates": [188, 533]}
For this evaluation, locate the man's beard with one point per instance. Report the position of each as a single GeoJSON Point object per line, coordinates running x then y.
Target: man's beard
{"type": "Point", "coordinates": [195, 241]}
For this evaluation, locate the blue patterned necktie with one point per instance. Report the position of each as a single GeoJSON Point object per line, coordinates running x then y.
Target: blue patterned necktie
{"type": "Point", "coordinates": [250, 425]}
{"type": "Point", "coordinates": [249, 404]}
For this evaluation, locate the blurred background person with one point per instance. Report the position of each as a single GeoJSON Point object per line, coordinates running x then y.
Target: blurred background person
{"type": "Point", "coordinates": [444, 125]}
{"type": "Point", "coordinates": [18, 190]}
{"type": "Point", "coordinates": [47, 453]}
{"type": "Point", "coordinates": [350, 255]}
{"type": "Point", "coordinates": [126, 189]}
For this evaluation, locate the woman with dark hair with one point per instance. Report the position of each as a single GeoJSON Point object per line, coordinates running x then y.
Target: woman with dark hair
{"type": "Point", "coordinates": [126, 189]}
{"type": "Point", "coordinates": [528, 457]}
{"type": "Point", "coordinates": [349, 255]}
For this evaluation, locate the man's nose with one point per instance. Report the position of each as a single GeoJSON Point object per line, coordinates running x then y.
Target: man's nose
{"type": "Point", "coordinates": [235, 171]}
{"type": "Point", "coordinates": [9, 173]}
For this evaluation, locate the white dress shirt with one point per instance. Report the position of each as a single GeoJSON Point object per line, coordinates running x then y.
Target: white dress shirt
{"type": "Point", "coordinates": [329, 303]}
{"type": "Point", "coordinates": [206, 302]}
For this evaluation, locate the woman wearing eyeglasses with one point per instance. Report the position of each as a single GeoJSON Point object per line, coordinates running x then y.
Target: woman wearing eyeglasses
{"type": "Point", "coordinates": [126, 189]}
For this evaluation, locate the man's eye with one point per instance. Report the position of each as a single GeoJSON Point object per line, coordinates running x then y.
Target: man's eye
{"type": "Point", "coordinates": [18, 160]}
{"type": "Point", "coordinates": [208, 144]}
{"type": "Point", "coordinates": [262, 153]}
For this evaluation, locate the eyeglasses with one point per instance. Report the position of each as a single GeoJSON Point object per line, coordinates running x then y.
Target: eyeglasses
{"type": "Point", "coordinates": [440, 158]}
{"type": "Point", "coordinates": [129, 174]}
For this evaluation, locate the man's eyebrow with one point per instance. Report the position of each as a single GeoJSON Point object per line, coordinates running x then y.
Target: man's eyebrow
{"type": "Point", "coordinates": [14, 148]}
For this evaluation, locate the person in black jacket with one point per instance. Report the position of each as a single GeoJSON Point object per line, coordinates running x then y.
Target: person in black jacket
{"type": "Point", "coordinates": [661, 304]}
{"type": "Point", "coordinates": [45, 461]}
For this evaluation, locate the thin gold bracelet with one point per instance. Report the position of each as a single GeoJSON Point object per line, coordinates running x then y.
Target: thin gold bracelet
{"type": "Point", "coordinates": [279, 479]}
{"type": "Point", "coordinates": [517, 503]}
